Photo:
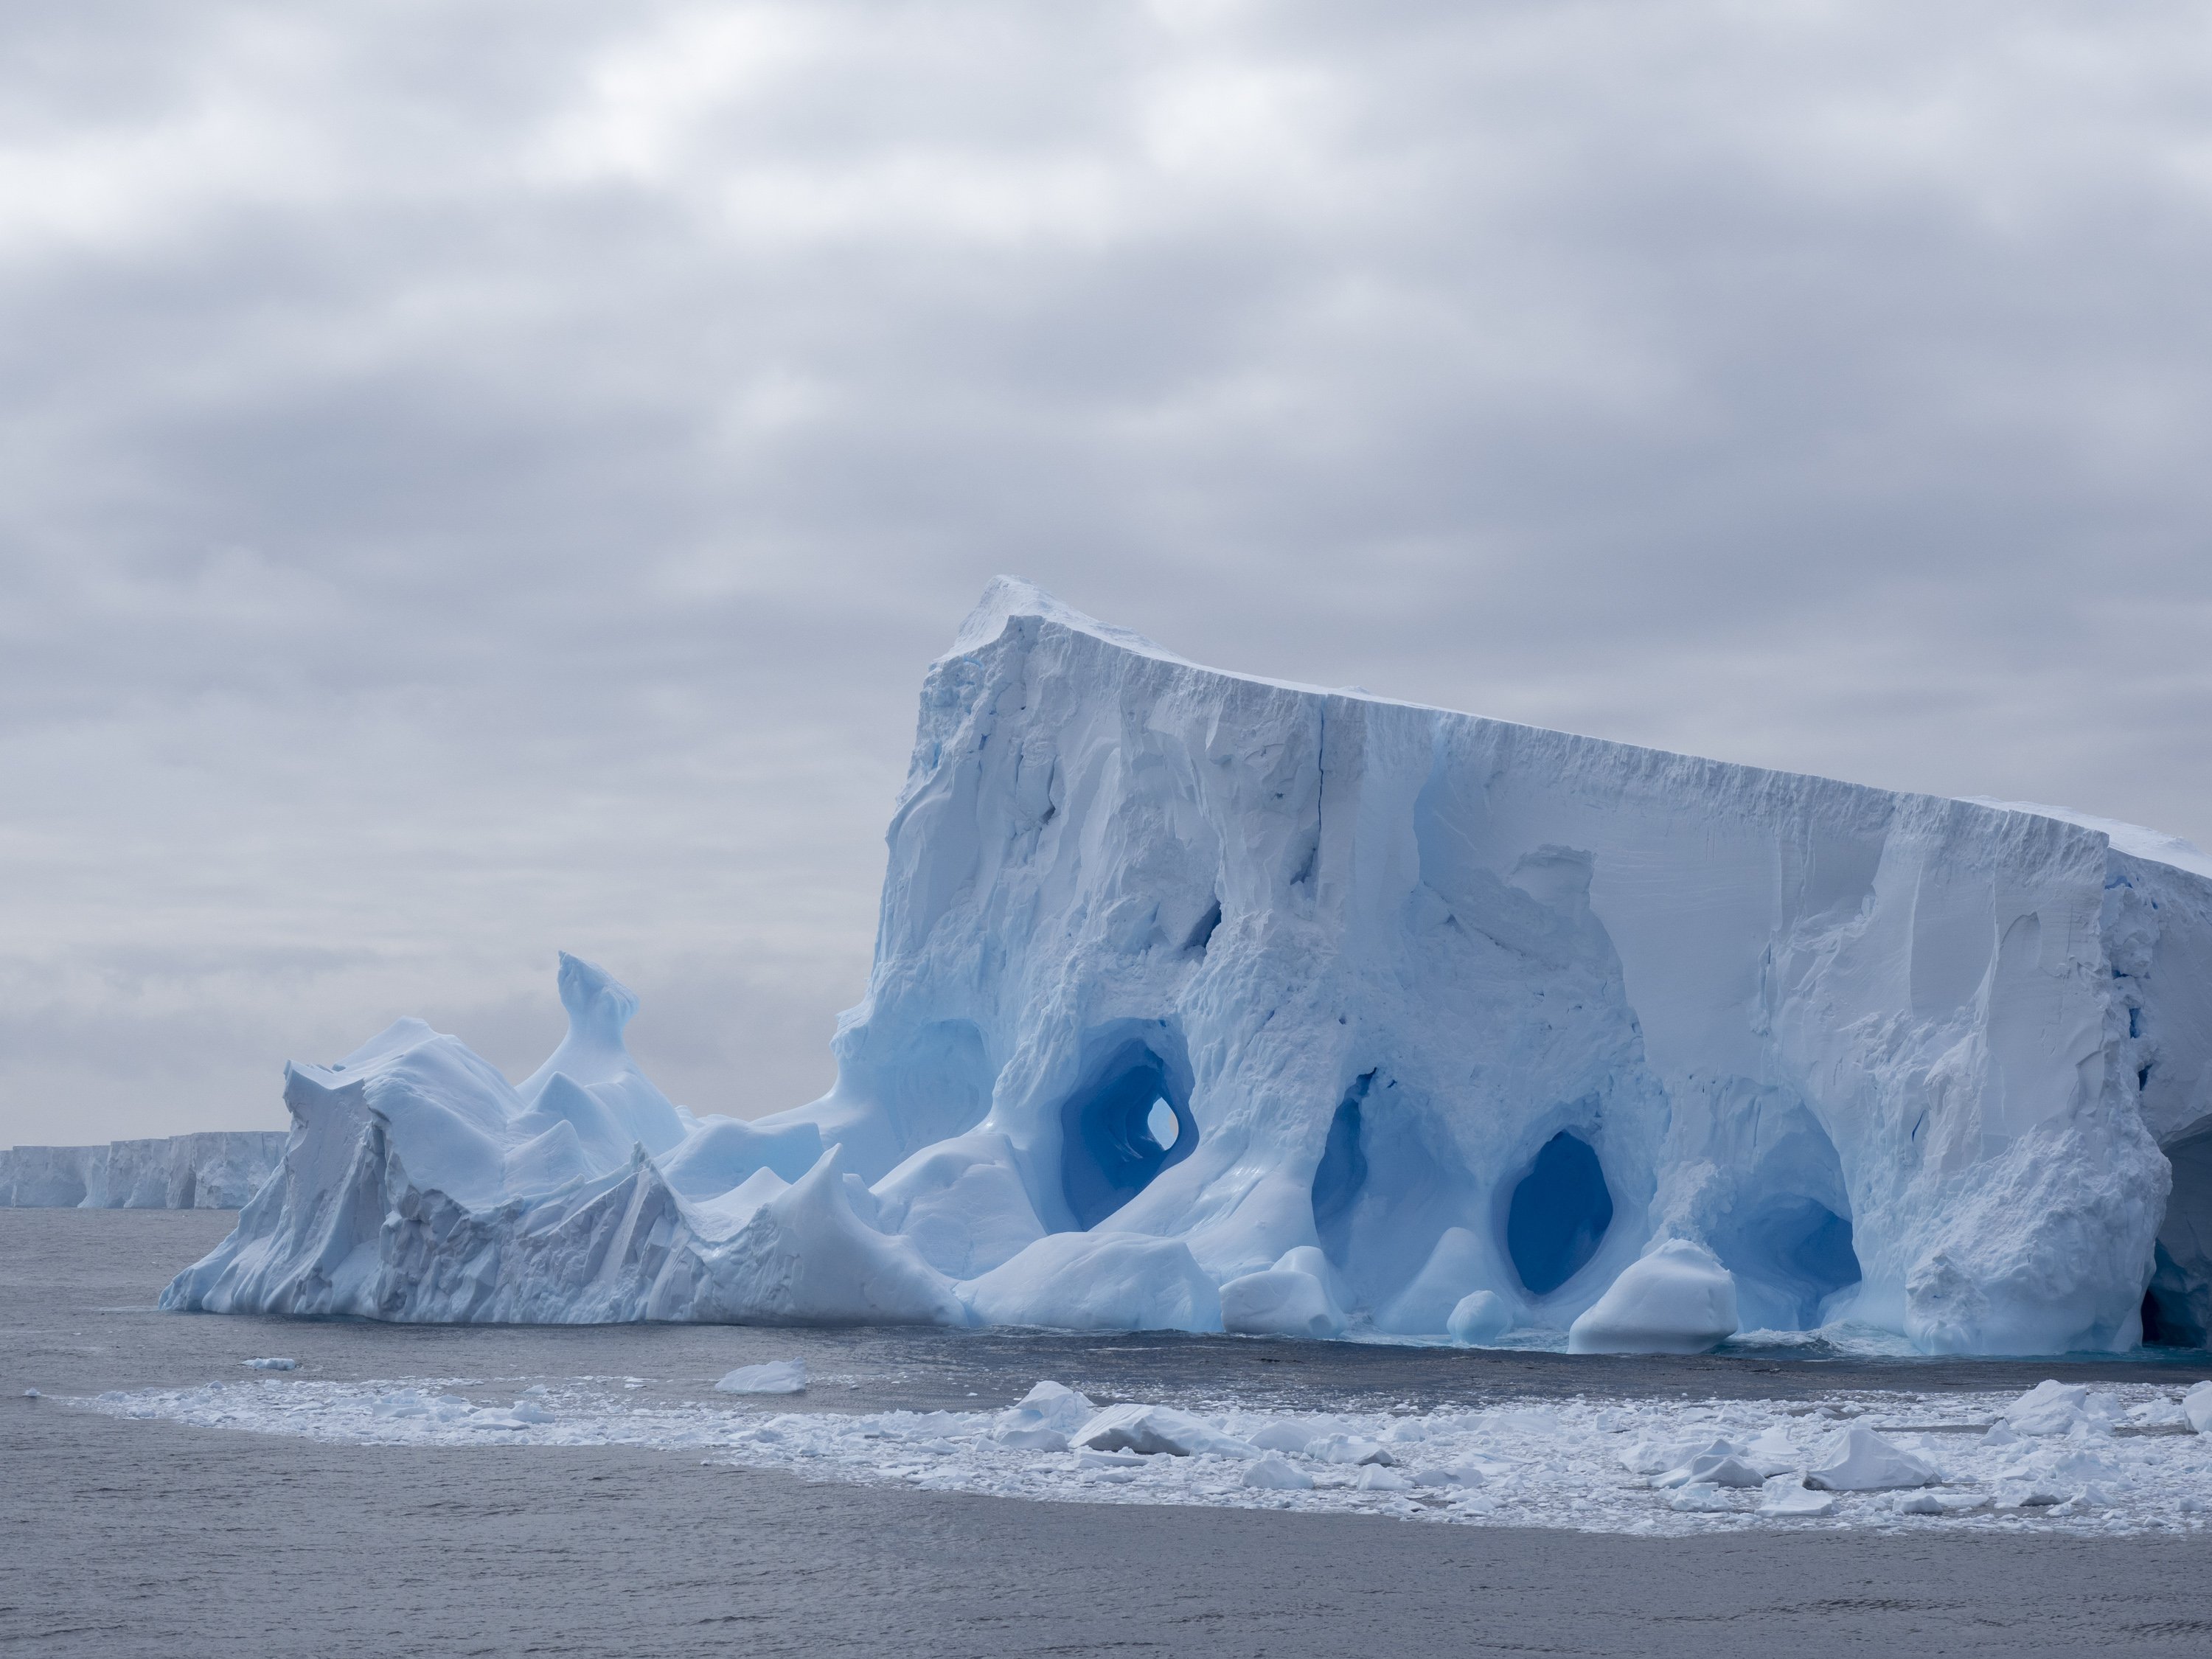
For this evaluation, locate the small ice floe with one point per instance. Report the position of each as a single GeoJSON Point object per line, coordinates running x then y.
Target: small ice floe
{"type": "Point", "coordinates": [1451, 1475]}
{"type": "Point", "coordinates": [32, 1393]}
{"type": "Point", "coordinates": [1353, 1448]}
{"type": "Point", "coordinates": [1711, 1468]}
{"type": "Point", "coordinates": [1787, 1495]}
{"type": "Point", "coordinates": [1477, 1319]}
{"type": "Point", "coordinates": [1704, 1498]}
{"type": "Point", "coordinates": [272, 1365]}
{"type": "Point", "coordinates": [1275, 1473]}
{"type": "Point", "coordinates": [1771, 1452]}
{"type": "Point", "coordinates": [1676, 1299]}
{"type": "Point", "coordinates": [1289, 1299]}
{"type": "Point", "coordinates": [525, 1413]}
{"type": "Point", "coordinates": [776, 1377]}
{"type": "Point", "coordinates": [1937, 1502]}
{"type": "Point", "coordinates": [2196, 1406]}
{"type": "Point", "coordinates": [1653, 1458]}
{"type": "Point", "coordinates": [2053, 1407]}
{"type": "Point", "coordinates": [409, 1403]}
{"type": "Point", "coordinates": [1284, 1437]}
{"type": "Point", "coordinates": [1047, 1415]}
{"type": "Point", "coordinates": [1859, 1459]}
{"type": "Point", "coordinates": [1151, 1431]}
{"type": "Point", "coordinates": [1377, 1477]}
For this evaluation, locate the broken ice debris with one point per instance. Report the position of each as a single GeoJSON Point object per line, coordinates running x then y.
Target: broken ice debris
{"type": "Point", "coordinates": [775, 1377]}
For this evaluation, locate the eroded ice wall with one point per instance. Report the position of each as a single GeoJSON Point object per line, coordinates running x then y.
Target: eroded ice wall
{"type": "Point", "coordinates": [1199, 998]}
{"type": "Point", "coordinates": [214, 1170]}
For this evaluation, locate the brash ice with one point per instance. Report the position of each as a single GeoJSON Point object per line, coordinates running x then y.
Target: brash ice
{"type": "Point", "coordinates": [1204, 1001]}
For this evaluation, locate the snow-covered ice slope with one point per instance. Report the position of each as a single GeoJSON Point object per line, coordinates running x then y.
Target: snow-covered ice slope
{"type": "Point", "coordinates": [214, 1170]}
{"type": "Point", "coordinates": [1184, 977]}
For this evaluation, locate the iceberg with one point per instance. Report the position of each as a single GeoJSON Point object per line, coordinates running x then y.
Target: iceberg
{"type": "Point", "coordinates": [213, 1169]}
{"type": "Point", "coordinates": [1207, 1001]}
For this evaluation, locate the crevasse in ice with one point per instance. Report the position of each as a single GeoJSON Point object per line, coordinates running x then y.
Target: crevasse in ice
{"type": "Point", "coordinates": [1368, 1013]}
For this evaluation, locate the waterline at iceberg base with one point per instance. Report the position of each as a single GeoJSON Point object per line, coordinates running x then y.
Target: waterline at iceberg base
{"type": "Point", "coordinates": [1208, 1002]}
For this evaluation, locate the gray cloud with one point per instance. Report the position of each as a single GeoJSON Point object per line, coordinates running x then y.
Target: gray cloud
{"type": "Point", "coordinates": [483, 478]}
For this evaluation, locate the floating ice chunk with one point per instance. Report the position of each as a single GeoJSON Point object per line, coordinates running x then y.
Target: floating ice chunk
{"type": "Point", "coordinates": [1704, 1500]}
{"type": "Point", "coordinates": [1932, 1503]}
{"type": "Point", "coordinates": [1999, 1435]}
{"type": "Point", "coordinates": [774, 1377]}
{"type": "Point", "coordinates": [1058, 1407]}
{"type": "Point", "coordinates": [2085, 1466]}
{"type": "Point", "coordinates": [2196, 1406]}
{"type": "Point", "coordinates": [1787, 1495]}
{"type": "Point", "coordinates": [1047, 1415]}
{"type": "Point", "coordinates": [2049, 1407]}
{"type": "Point", "coordinates": [1099, 1282]}
{"type": "Point", "coordinates": [529, 1411]}
{"type": "Point", "coordinates": [1773, 1452]}
{"type": "Point", "coordinates": [1151, 1431]}
{"type": "Point", "coordinates": [1656, 1457]}
{"type": "Point", "coordinates": [1348, 1449]}
{"type": "Point", "coordinates": [1677, 1299]}
{"type": "Point", "coordinates": [1284, 1437]}
{"type": "Point", "coordinates": [1374, 1477]}
{"type": "Point", "coordinates": [1859, 1459]}
{"type": "Point", "coordinates": [1275, 1473]}
{"type": "Point", "coordinates": [1451, 1474]}
{"type": "Point", "coordinates": [32, 1393]}
{"type": "Point", "coordinates": [1108, 1460]}
{"type": "Point", "coordinates": [1712, 1470]}
{"type": "Point", "coordinates": [1478, 1318]}
{"type": "Point", "coordinates": [1279, 1302]}
{"type": "Point", "coordinates": [272, 1364]}
{"type": "Point", "coordinates": [499, 1419]}
{"type": "Point", "coordinates": [1526, 1420]}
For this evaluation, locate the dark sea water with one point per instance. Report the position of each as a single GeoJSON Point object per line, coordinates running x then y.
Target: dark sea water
{"type": "Point", "coordinates": [122, 1537]}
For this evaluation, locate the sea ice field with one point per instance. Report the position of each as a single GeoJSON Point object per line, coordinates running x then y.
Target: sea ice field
{"type": "Point", "coordinates": [2120, 1459]}
{"type": "Point", "coordinates": [591, 1490]}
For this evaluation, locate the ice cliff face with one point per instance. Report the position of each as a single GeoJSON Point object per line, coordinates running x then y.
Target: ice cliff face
{"type": "Point", "coordinates": [216, 1169]}
{"type": "Point", "coordinates": [1203, 1000]}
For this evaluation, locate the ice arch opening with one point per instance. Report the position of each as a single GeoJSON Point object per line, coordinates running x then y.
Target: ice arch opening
{"type": "Point", "coordinates": [1558, 1213]}
{"type": "Point", "coordinates": [2177, 1308]}
{"type": "Point", "coordinates": [1110, 1129]}
{"type": "Point", "coordinates": [1340, 1176]}
{"type": "Point", "coordinates": [1799, 1251]}
{"type": "Point", "coordinates": [1787, 1234]}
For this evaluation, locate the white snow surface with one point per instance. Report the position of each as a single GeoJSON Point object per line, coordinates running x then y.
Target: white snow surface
{"type": "Point", "coordinates": [1639, 1466]}
{"type": "Point", "coordinates": [1205, 1000]}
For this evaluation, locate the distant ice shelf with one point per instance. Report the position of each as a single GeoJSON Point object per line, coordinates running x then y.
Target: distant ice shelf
{"type": "Point", "coordinates": [1208, 1002]}
{"type": "Point", "coordinates": [216, 1169]}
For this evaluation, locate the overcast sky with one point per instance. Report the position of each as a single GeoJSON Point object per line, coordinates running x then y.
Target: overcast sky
{"type": "Point", "coordinates": [484, 478]}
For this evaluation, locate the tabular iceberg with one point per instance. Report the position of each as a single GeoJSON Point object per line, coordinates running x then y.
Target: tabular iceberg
{"type": "Point", "coordinates": [214, 1170]}
{"type": "Point", "coordinates": [1205, 999]}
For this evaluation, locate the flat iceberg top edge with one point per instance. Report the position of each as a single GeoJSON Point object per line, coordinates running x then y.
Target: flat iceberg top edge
{"type": "Point", "coordinates": [1008, 597]}
{"type": "Point", "coordinates": [1215, 1003]}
